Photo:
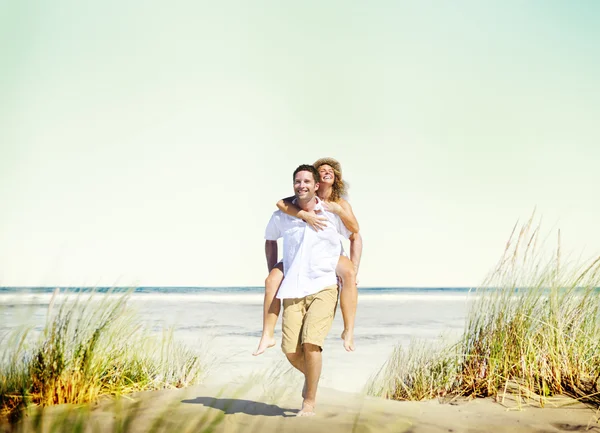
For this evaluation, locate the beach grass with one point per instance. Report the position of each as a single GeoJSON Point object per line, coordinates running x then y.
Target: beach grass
{"type": "Point", "coordinates": [420, 372]}
{"type": "Point", "coordinates": [92, 345]}
{"type": "Point", "coordinates": [533, 329]}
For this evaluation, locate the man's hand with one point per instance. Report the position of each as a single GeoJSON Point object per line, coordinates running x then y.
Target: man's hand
{"type": "Point", "coordinates": [317, 222]}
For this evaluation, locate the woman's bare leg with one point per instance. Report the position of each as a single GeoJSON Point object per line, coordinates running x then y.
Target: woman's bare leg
{"type": "Point", "coordinates": [348, 299]}
{"type": "Point", "coordinates": [271, 308]}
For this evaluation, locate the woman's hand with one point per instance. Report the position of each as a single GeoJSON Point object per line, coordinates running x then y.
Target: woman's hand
{"type": "Point", "coordinates": [332, 207]}
{"type": "Point", "coordinates": [317, 222]}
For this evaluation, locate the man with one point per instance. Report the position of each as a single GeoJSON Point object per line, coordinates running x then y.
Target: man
{"type": "Point", "coordinates": [309, 290]}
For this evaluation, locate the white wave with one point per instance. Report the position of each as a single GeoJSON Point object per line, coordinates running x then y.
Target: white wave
{"type": "Point", "coordinates": [242, 298]}
{"type": "Point", "coordinates": [404, 297]}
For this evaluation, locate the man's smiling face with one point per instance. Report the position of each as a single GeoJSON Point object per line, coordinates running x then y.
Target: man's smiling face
{"type": "Point", "coordinates": [305, 186]}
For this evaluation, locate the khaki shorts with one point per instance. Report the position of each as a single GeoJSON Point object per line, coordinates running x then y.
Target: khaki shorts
{"type": "Point", "coordinates": [308, 319]}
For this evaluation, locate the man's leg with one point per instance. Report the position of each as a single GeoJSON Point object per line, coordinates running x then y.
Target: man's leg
{"type": "Point", "coordinates": [297, 360]}
{"type": "Point", "coordinates": [348, 300]}
{"type": "Point", "coordinates": [313, 363]}
{"type": "Point", "coordinates": [317, 323]}
{"type": "Point", "coordinates": [299, 363]}
{"type": "Point", "coordinates": [292, 322]}
{"type": "Point", "coordinates": [271, 308]}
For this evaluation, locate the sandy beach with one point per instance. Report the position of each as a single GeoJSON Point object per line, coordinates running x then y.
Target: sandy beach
{"type": "Point", "coordinates": [201, 319]}
{"type": "Point", "coordinates": [241, 393]}
{"type": "Point", "coordinates": [257, 408]}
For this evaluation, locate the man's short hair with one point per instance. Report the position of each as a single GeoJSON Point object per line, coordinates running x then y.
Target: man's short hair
{"type": "Point", "coordinates": [310, 168]}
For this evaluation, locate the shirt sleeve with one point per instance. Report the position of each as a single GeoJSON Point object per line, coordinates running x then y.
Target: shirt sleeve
{"type": "Point", "coordinates": [273, 230]}
{"type": "Point", "coordinates": [341, 228]}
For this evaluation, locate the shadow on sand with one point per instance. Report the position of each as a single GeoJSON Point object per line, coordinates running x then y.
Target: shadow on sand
{"type": "Point", "coordinates": [232, 405]}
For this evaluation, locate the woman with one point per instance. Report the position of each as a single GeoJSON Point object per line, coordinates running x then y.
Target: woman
{"type": "Point", "coordinates": [331, 191]}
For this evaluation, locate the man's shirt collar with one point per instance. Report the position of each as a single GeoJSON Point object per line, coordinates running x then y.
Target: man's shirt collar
{"type": "Point", "coordinates": [318, 206]}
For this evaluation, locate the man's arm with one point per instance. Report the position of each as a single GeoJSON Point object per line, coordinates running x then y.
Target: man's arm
{"type": "Point", "coordinates": [271, 254]}
{"type": "Point", "coordinates": [356, 246]}
{"type": "Point", "coordinates": [315, 221]}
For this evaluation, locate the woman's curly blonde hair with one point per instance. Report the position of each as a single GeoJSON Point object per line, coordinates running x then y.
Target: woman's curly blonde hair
{"type": "Point", "coordinates": [339, 187]}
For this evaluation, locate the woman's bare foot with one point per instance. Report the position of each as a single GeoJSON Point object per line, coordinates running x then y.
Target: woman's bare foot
{"type": "Point", "coordinates": [308, 409]}
{"type": "Point", "coordinates": [348, 337]}
{"type": "Point", "coordinates": [266, 342]}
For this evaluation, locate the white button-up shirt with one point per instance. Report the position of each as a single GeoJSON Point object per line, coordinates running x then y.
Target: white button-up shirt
{"type": "Point", "coordinates": [309, 257]}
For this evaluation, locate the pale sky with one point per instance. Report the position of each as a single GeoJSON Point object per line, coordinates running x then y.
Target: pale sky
{"type": "Point", "coordinates": [147, 142]}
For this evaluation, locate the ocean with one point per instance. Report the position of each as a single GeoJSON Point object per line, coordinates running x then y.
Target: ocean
{"type": "Point", "coordinates": [225, 324]}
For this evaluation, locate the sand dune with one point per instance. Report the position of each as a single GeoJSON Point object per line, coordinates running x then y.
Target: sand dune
{"type": "Point", "coordinates": [257, 408]}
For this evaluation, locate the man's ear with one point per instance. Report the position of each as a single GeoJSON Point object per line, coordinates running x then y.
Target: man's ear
{"type": "Point", "coordinates": [317, 186]}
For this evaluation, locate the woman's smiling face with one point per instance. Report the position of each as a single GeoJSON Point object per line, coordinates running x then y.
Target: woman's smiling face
{"type": "Point", "coordinates": [326, 174]}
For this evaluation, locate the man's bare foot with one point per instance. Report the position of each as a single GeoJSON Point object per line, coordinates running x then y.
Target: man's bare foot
{"type": "Point", "coordinates": [308, 409]}
{"type": "Point", "coordinates": [348, 337]}
{"type": "Point", "coordinates": [265, 343]}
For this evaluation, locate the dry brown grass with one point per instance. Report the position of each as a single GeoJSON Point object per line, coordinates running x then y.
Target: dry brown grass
{"type": "Point", "coordinates": [91, 346]}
